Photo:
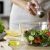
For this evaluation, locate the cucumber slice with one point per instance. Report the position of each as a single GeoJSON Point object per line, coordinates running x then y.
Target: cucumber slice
{"type": "Point", "coordinates": [31, 38]}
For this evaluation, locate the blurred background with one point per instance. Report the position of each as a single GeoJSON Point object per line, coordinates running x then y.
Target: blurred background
{"type": "Point", "coordinates": [5, 10]}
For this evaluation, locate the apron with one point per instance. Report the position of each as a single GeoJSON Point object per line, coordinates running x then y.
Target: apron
{"type": "Point", "coordinates": [21, 19]}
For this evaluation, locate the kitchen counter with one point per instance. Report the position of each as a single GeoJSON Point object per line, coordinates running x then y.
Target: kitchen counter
{"type": "Point", "coordinates": [4, 46]}
{"type": "Point", "coordinates": [32, 48]}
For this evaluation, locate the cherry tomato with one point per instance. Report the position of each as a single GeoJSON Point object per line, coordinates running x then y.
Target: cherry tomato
{"type": "Point", "coordinates": [37, 40]}
{"type": "Point", "coordinates": [48, 33]}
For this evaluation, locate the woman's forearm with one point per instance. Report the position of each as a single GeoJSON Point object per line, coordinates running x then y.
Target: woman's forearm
{"type": "Point", "coordinates": [21, 3]}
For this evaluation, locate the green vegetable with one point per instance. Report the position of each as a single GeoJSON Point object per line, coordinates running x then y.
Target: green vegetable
{"type": "Point", "coordinates": [12, 43]}
{"type": "Point", "coordinates": [27, 33]}
{"type": "Point", "coordinates": [1, 26]}
{"type": "Point", "coordinates": [31, 38]}
{"type": "Point", "coordinates": [33, 34]}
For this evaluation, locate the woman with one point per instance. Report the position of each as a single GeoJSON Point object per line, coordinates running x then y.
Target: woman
{"type": "Point", "coordinates": [20, 17]}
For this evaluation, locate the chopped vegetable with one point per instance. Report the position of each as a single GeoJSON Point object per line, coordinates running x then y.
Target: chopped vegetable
{"type": "Point", "coordinates": [31, 38]}
{"type": "Point", "coordinates": [38, 37]}
{"type": "Point", "coordinates": [1, 27]}
{"type": "Point", "coordinates": [13, 43]}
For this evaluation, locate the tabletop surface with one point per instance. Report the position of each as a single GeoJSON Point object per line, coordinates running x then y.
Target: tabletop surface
{"type": "Point", "coordinates": [4, 46]}
{"type": "Point", "coordinates": [26, 47]}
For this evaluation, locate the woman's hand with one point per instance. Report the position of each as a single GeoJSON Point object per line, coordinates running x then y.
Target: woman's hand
{"type": "Point", "coordinates": [29, 6]}
{"type": "Point", "coordinates": [32, 8]}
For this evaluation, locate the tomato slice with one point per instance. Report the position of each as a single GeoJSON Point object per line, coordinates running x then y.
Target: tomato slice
{"type": "Point", "coordinates": [48, 33]}
{"type": "Point", "coordinates": [37, 40]}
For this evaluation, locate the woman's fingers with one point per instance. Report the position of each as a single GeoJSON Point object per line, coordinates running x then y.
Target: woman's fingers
{"type": "Point", "coordinates": [28, 5]}
{"type": "Point", "coordinates": [32, 12]}
{"type": "Point", "coordinates": [32, 8]}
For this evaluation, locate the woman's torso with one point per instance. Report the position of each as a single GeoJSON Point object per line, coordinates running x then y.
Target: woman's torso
{"type": "Point", "coordinates": [20, 16]}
